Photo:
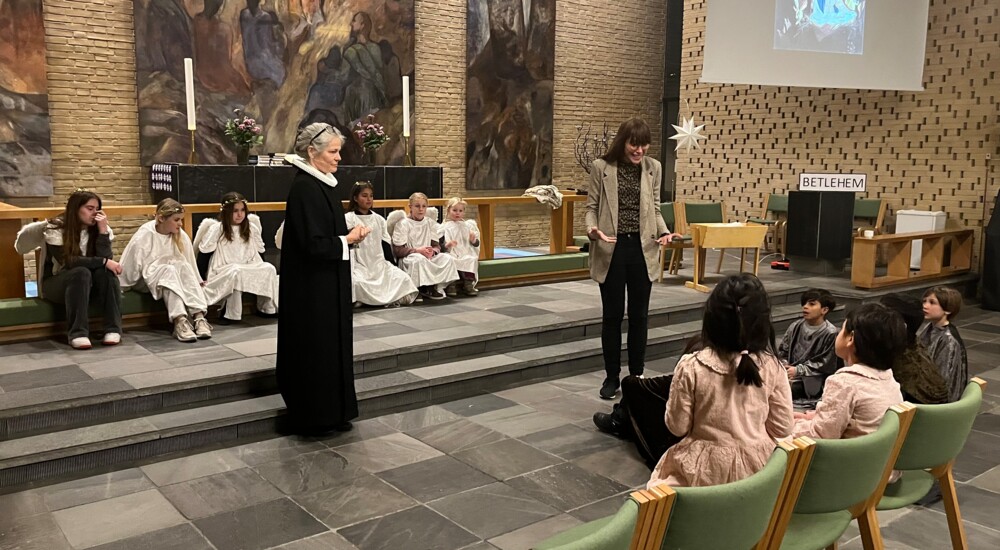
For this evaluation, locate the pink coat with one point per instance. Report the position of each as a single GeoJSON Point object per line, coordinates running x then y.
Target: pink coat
{"type": "Point", "coordinates": [729, 429]}
{"type": "Point", "coordinates": [855, 399]}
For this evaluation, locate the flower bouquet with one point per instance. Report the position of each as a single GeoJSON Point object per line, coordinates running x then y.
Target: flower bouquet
{"type": "Point", "coordinates": [245, 133]}
{"type": "Point", "coordinates": [372, 136]}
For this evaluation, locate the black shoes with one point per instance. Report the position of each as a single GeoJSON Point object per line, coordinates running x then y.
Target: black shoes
{"type": "Point", "coordinates": [610, 387]}
{"type": "Point", "coordinates": [607, 424]}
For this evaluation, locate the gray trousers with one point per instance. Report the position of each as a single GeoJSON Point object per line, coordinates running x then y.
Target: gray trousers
{"type": "Point", "coordinates": [76, 287]}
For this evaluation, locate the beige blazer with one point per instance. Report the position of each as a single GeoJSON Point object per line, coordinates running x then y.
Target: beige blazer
{"type": "Point", "coordinates": [602, 212]}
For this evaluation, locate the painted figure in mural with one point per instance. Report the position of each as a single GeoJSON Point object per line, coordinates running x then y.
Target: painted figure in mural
{"type": "Point", "coordinates": [263, 43]}
{"type": "Point", "coordinates": [217, 69]}
{"type": "Point", "coordinates": [366, 93]}
{"type": "Point", "coordinates": [391, 72]}
{"type": "Point", "coordinates": [332, 78]}
{"type": "Point", "coordinates": [163, 36]}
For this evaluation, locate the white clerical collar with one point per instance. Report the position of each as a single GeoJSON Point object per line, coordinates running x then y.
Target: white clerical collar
{"type": "Point", "coordinates": [311, 170]}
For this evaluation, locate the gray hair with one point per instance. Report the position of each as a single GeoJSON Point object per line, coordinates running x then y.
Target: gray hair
{"type": "Point", "coordinates": [317, 134]}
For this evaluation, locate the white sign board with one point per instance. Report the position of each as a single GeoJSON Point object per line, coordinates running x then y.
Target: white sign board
{"type": "Point", "coordinates": [850, 183]}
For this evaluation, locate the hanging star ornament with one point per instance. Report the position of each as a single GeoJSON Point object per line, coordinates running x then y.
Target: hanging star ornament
{"type": "Point", "coordinates": [688, 134]}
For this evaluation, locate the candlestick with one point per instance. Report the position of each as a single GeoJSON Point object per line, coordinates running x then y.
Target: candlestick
{"type": "Point", "coordinates": [406, 152]}
{"type": "Point", "coordinates": [406, 106]}
{"type": "Point", "coordinates": [189, 91]}
{"type": "Point", "coordinates": [193, 156]}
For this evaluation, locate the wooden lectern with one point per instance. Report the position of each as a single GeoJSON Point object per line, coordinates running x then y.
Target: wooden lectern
{"type": "Point", "coordinates": [723, 235]}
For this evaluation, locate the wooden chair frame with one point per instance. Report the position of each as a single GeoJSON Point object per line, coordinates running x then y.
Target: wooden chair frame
{"type": "Point", "coordinates": [778, 229]}
{"type": "Point", "coordinates": [655, 506]}
{"type": "Point", "coordinates": [682, 223]}
{"type": "Point", "coordinates": [675, 246]}
{"type": "Point", "coordinates": [879, 219]}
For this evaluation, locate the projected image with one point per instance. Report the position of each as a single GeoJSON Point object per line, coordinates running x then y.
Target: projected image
{"type": "Point", "coordinates": [832, 26]}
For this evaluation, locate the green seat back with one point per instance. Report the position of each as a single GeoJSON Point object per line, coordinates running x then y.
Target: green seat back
{"type": "Point", "coordinates": [777, 203]}
{"type": "Point", "coordinates": [734, 515]}
{"type": "Point", "coordinates": [703, 212]}
{"type": "Point", "coordinates": [844, 472]}
{"type": "Point", "coordinates": [610, 533]}
{"type": "Point", "coordinates": [938, 432]}
{"type": "Point", "coordinates": [667, 212]}
{"type": "Point", "coordinates": [867, 208]}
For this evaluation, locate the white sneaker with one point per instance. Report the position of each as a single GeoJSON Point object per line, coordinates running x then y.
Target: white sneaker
{"type": "Point", "coordinates": [183, 330]}
{"type": "Point", "coordinates": [202, 329]}
{"type": "Point", "coordinates": [112, 339]}
{"type": "Point", "coordinates": [80, 343]}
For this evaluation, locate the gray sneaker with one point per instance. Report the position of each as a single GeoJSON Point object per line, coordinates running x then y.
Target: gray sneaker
{"type": "Point", "coordinates": [183, 330]}
{"type": "Point", "coordinates": [202, 329]}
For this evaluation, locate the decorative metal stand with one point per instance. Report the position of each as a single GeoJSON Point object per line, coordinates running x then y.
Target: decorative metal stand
{"type": "Point", "coordinates": [193, 157]}
{"type": "Point", "coordinates": [406, 152]}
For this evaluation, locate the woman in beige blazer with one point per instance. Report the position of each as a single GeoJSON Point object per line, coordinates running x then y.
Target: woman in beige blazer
{"type": "Point", "coordinates": [626, 231]}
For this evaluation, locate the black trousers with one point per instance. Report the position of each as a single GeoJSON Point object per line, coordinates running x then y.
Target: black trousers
{"type": "Point", "coordinates": [627, 277]}
{"type": "Point", "coordinates": [75, 288]}
{"type": "Point", "coordinates": [642, 414]}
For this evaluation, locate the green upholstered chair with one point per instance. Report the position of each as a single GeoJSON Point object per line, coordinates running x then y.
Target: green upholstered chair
{"type": "Point", "coordinates": [734, 515]}
{"type": "Point", "coordinates": [774, 215]}
{"type": "Point", "coordinates": [872, 212]}
{"type": "Point", "coordinates": [844, 480]}
{"type": "Point", "coordinates": [620, 531]}
{"type": "Point", "coordinates": [668, 210]}
{"type": "Point", "coordinates": [706, 212]}
{"type": "Point", "coordinates": [935, 439]}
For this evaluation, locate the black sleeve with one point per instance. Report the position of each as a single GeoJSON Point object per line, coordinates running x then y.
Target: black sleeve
{"type": "Point", "coordinates": [203, 259]}
{"type": "Point", "coordinates": [305, 208]}
{"type": "Point", "coordinates": [90, 262]}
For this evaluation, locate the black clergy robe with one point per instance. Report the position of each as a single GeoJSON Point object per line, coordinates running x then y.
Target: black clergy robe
{"type": "Point", "coordinates": [315, 362]}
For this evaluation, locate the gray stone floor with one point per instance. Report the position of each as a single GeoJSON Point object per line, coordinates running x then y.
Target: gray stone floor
{"type": "Point", "coordinates": [501, 470]}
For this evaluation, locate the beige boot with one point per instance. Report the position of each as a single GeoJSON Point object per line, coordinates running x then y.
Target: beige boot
{"type": "Point", "coordinates": [202, 329]}
{"type": "Point", "coordinates": [183, 330]}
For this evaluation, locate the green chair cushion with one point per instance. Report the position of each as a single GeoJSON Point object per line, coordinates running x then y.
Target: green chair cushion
{"type": "Point", "coordinates": [777, 203]}
{"type": "Point", "coordinates": [867, 208]}
{"type": "Point", "coordinates": [530, 265]}
{"type": "Point", "coordinates": [667, 212]}
{"type": "Point", "coordinates": [610, 533]}
{"type": "Point", "coordinates": [703, 212]}
{"type": "Point", "coordinates": [812, 531]}
{"type": "Point", "coordinates": [30, 311]}
{"type": "Point", "coordinates": [909, 488]}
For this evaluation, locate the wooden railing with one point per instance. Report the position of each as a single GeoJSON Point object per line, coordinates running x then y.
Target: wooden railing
{"type": "Point", "coordinates": [943, 253]}
{"type": "Point", "coordinates": [12, 218]}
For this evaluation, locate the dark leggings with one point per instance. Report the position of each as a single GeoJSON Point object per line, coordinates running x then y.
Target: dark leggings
{"type": "Point", "coordinates": [627, 275]}
{"type": "Point", "coordinates": [642, 414]}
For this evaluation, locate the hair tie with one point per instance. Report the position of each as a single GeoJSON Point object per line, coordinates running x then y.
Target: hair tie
{"type": "Point", "coordinates": [744, 352]}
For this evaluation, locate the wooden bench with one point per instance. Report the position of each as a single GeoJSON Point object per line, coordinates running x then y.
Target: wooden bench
{"type": "Point", "coordinates": [944, 253]}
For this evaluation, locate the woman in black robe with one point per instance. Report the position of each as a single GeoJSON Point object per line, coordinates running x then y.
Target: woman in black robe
{"type": "Point", "coordinates": [315, 335]}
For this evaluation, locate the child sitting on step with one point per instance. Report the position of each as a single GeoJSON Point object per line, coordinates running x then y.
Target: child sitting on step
{"type": "Point", "coordinates": [856, 397]}
{"type": "Point", "coordinates": [376, 281]}
{"type": "Point", "coordinates": [941, 339]}
{"type": "Point", "coordinates": [235, 242]}
{"type": "Point", "coordinates": [159, 259]}
{"type": "Point", "coordinates": [415, 243]}
{"type": "Point", "coordinates": [731, 400]}
{"type": "Point", "coordinates": [461, 239]}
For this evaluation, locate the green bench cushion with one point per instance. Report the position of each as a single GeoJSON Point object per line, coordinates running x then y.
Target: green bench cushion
{"type": "Point", "coordinates": [530, 265]}
{"type": "Point", "coordinates": [30, 311]}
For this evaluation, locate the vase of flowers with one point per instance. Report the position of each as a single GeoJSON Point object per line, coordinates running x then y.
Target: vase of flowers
{"type": "Point", "coordinates": [372, 136]}
{"type": "Point", "coordinates": [245, 133]}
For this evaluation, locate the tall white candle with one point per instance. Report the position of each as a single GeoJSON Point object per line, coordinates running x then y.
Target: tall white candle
{"type": "Point", "coordinates": [189, 89]}
{"type": "Point", "coordinates": [406, 106]}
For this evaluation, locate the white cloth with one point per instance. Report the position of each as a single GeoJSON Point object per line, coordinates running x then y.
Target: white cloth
{"type": "Point", "coordinates": [376, 281]}
{"type": "Point", "coordinates": [36, 235]}
{"type": "Point", "coordinates": [279, 234]}
{"type": "Point", "coordinates": [425, 272]}
{"type": "Point", "coordinates": [466, 255]}
{"type": "Point", "coordinates": [545, 194]}
{"type": "Point", "coordinates": [236, 265]}
{"type": "Point", "coordinates": [152, 262]}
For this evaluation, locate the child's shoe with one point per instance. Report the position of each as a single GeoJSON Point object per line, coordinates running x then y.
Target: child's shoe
{"type": "Point", "coordinates": [452, 289]}
{"type": "Point", "coordinates": [469, 288]}
{"type": "Point", "coordinates": [183, 330]}
{"type": "Point", "coordinates": [202, 329]}
{"type": "Point", "coordinates": [80, 343]}
{"type": "Point", "coordinates": [112, 339]}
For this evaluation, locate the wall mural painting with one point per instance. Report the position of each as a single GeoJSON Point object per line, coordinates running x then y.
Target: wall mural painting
{"type": "Point", "coordinates": [510, 56]}
{"type": "Point", "coordinates": [25, 138]}
{"type": "Point", "coordinates": [287, 63]}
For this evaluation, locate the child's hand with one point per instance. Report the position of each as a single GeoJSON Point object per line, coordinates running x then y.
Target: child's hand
{"type": "Point", "coordinates": [203, 283]}
{"type": "Point", "coordinates": [101, 219]}
{"type": "Point", "coordinates": [473, 236]}
{"type": "Point", "coordinates": [426, 252]}
{"type": "Point", "coordinates": [792, 373]}
{"type": "Point", "coordinates": [808, 415]}
{"type": "Point", "coordinates": [113, 267]}
{"type": "Point", "coordinates": [451, 244]}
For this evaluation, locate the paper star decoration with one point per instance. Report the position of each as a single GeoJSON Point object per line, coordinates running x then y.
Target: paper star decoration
{"type": "Point", "coordinates": [688, 135]}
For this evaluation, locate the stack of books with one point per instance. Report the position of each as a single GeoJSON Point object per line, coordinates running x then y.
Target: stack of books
{"type": "Point", "coordinates": [270, 159]}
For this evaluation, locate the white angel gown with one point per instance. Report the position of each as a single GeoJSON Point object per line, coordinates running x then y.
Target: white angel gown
{"type": "Point", "coordinates": [376, 281]}
{"type": "Point", "coordinates": [439, 270]}
{"type": "Point", "coordinates": [152, 263]}
{"type": "Point", "coordinates": [466, 256]}
{"type": "Point", "coordinates": [236, 267]}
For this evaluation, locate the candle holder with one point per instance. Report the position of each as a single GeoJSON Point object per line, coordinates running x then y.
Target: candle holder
{"type": "Point", "coordinates": [193, 157]}
{"type": "Point", "coordinates": [406, 152]}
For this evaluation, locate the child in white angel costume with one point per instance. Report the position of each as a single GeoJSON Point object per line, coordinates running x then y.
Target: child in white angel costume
{"type": "Point", "coordinates": [235, 242]}
{"type": "Point", "coordinates": [376, 281]}
{"type": "Point", "coordinates": [415, 242]}
{"type": "Point", "coordinates": [159, 259]}
{"type": "Point", "coordinates": [461, 238]}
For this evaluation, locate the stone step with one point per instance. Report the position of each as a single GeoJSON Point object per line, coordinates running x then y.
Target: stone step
{"type": "Point", "coordinates": [79, 404]}
{"type": "Point", "coordinates": [118, 443]}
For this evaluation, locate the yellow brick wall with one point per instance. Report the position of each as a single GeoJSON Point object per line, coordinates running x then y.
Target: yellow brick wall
{"type": "Point", "coordinates": [930, 150]}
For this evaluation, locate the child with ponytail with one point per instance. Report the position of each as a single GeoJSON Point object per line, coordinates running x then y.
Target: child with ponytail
{"type": "Point", "coordinates": [731, 400]}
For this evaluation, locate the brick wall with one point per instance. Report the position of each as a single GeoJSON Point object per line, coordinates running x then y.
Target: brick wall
{"type": "Point", "coordinates": [930, 150]}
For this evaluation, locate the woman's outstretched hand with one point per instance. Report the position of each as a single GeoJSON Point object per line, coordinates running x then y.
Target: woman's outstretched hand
{"type": "Point", "coordinates": [665, 240]}
{"type": "Point", "coordinates": [598, 235]}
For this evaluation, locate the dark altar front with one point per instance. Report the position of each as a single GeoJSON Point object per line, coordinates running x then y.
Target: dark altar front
{"type": "Point", "coordinates": [204, 183]}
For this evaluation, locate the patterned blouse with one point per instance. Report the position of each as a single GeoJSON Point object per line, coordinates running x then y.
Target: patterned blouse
{"type": "Point", "coordinates": [629, 176]}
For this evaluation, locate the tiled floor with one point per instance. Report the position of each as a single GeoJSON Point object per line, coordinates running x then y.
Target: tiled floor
{"type": "Point", "coordinates": [502, 470]}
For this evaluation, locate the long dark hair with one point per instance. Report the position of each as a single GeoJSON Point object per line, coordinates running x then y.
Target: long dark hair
{"type": "Point", "coordinates": [69, 222]}
{"type": "Point", "coordinates": [633, 131]}
{"type": "Point", "coordinates": [229, 202]}
{"type": "Point", "coordinates": [738, 319]}
{"type": "Point", "coordinates": [910, 309]}
{"type": "Point", "coordinates": [360, 186]}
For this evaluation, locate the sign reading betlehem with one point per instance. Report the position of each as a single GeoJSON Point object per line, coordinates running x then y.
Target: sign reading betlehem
{"type": "Point", "coordinates": [850, 183]}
